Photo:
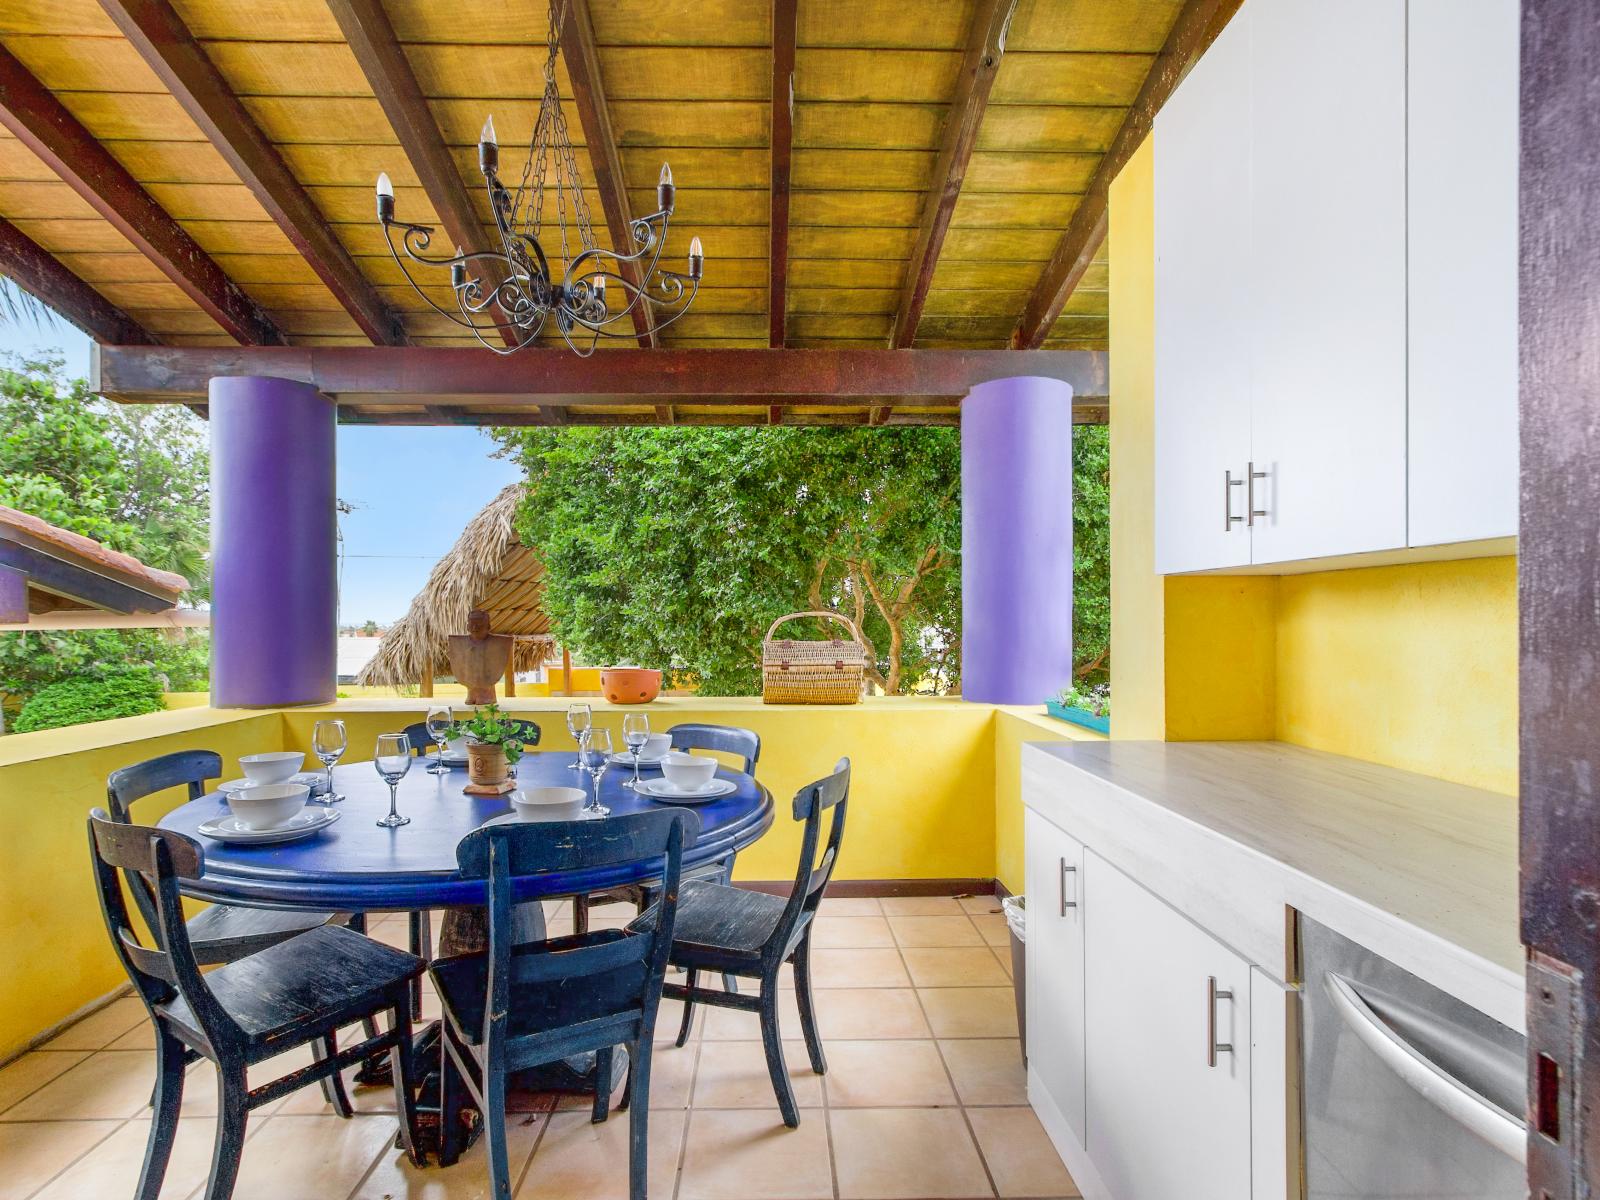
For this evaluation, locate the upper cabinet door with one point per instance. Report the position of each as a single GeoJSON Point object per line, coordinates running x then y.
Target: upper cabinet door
{"type": "Point", "coordinates": [1328, 414]}
{"type": "Point", "coordinates": [1462, 250]}
{"type": "Point", "coordinates": [1203, 310]}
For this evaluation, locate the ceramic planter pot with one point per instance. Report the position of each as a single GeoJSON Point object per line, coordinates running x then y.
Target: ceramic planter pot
{"type": "Point", "coordinates": [630, 685]}
{"type": "Point", "coordinates": [486, 764]}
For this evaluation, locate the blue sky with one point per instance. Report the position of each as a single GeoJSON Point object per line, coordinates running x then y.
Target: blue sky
{"type": "Point", "coordinates": [414, 489]}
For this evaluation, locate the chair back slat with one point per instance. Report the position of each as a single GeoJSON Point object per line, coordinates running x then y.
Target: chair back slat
{"type": "Point", "coordinates": [619, 970]}
{"type": "Point", "coordinates": [183, 768]}
{"type": "Point", "coordinates": [832, 792]}
{"type": "Point", "coordinates": [743, 743]}
{"type": "Point", "coordinates": [158, 858]}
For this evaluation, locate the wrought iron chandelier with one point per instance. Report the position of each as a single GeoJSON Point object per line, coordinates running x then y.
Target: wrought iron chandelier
{"type": "Point", "coordinates": [510, 293]}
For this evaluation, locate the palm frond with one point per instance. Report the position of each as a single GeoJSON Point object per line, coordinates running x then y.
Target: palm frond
{"type": "Point", "coordinates": [17, 303]}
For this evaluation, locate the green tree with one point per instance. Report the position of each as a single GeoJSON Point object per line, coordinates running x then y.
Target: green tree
{"type": "Point", "coordinates": [679, 546]}
{"type": "Point", "coordinates": [132, 477]}
{"type": "Point", "coordinates": [1091, 552]}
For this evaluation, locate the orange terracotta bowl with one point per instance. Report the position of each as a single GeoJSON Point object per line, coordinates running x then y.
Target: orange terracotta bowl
{"type": "Point", "coordinates": [630, 685]}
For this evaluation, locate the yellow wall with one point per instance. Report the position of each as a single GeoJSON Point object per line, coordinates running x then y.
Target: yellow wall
{"type": "Point", "coordinates": [1413, 666]}
{"type": "Point", "coordinates": [1012, 728]}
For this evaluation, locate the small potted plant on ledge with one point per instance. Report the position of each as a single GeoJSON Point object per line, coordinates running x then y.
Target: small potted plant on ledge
{"type": "Point", "coordinates": [1088, 707]}
{"type": "Point", "coordinates": [494, 743]}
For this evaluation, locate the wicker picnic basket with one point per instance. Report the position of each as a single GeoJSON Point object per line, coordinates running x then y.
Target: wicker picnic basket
{"type": "Point", "coordinates": [829, 672]}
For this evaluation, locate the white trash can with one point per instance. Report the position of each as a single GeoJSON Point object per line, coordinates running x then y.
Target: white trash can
{"type": "Point", "coordinates": [1016, 910]}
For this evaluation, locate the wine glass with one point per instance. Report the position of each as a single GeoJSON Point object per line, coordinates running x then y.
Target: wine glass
{"type": "Point", "coordinates": [392, 759]}
{"type": "Point", "coordinates": [440, 719]}
{"type": "Point", "coordinates": [579, 718]}
{"type": "Point", "coordinates": [329, 742]}
{"type": "Point", "coordinates": [635, 732]}
{"type": "Point", "coordinates": [595, 754]}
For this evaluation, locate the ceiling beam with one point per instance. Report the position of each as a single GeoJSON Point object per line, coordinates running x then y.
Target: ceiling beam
{"type": "Point", "coordinates": [589, 97]}
{"type": "Point", "coordinates": [1082, 414]}
{"type": "Point", "coordinates": [34, 269]}
{"type": "Point", "coordinates": [383, 61]}
{"type": "Point", "coordinates": [986, 42]}
{"type": "Point", "coordinates": [42, 123]}
{"type": "Point", "coordinates": [1198, 23]}
{"type": "Point", "coordinates": [784, 26]}
{"type": "Point", "coordinates": [166, 44]}
{"type": "Point", "coordinates": [450, 377]}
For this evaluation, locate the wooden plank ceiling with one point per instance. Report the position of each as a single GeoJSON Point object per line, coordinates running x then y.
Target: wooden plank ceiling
{"type": "Point", "coordinates": [874, 85]}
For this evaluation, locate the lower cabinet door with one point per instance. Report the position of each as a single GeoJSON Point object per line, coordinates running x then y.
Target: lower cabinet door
{"type": "Point", "coordinates": [1055, 967]}
{"type": "Point", "coordinates": [1167, 1016]}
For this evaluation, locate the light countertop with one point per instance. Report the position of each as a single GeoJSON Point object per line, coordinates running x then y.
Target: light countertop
{"type": "Point", "coordinates": [1421, 871]}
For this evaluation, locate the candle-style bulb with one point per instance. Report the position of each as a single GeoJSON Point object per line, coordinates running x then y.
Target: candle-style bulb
{"type": "Point", "coordinates": [385, 192]}
{"type": "Point", "coordinates": [458, 272]}
{"type": "Point", "coordinates": [697, 258]}
{"type": "Point", "coordinates": [665, 192]}
{"type": "Point", "coordinates": [488, 148]}
{"type": "Point", "coordinates": [598, 286]}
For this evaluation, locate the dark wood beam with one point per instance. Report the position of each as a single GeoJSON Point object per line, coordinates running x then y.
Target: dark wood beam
{"type": "Point", "coordinates": [784, 26]}
{"type": "Point", "coordinates": [1198, 23]}
{"type": "Point", "coordinates": [448, 377]}
{"type": "Point", "coordinates": [589, 97]}
{"type": "Point", "coordinates": [986, 42]}
{"type": "Point", "coordinates": [34, 269]}
{"type": "Point", "coordinates": [383, 61]}
{"type": "Point", "coordinates": [42, 123]}
{"type": "Point", "coordinates": [163, 40]}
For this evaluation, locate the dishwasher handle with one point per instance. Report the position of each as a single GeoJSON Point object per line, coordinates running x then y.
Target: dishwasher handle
{"type": "Point", "coordinates": [1482, 1116]}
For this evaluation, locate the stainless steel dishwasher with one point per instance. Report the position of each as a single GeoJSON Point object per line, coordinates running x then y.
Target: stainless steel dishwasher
{"type": "Point", "coordinates": [1408, 1092]}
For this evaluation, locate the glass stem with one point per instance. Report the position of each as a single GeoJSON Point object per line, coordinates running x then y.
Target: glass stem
{"type": "Point", "coordinates": [391, 800]}
{"type": "Point", "coordinates": [329, 766]}
{"type": "Point", "coordinates": [636, 767]}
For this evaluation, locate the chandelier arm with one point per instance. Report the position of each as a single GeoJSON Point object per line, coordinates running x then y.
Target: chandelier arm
{"type": "Point", "coordinates": [606, 330]}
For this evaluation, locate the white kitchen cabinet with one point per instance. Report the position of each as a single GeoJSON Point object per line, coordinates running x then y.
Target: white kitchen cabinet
{"type": "Point", "coordinates": [1462, 266]}
{"type": "Point", "coordinates": [1327, 198]}
{"type": "Point", "coordinates": [1203, 309]}
{"type": "Point", "coordinates": [1335, 291]}
{"type": "Point", "coordinates": [1054, 872]}
{"type": "Point", "coordinates": [1169, 1114]}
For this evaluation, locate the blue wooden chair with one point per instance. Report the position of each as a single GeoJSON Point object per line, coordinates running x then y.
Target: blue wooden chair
{"type": "Point", "coordinates": [293, 993]}
{"type": "Point", "coordinates": [519, 1006]}
{"type": "Point", "coordinates": [737, 932]}
{"type": "Point", "coordinates": [726, 739]}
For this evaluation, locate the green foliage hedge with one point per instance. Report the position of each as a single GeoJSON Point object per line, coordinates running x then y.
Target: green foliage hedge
{"type": "Point", "coordinates": [75, 701]}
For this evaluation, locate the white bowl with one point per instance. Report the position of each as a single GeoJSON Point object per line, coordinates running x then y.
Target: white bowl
{"type": "Point", "coordinates": [688, 772]}
{"type": "Point", "coordinates": [547, 803]}
{"type": "Point", "coordinates": [656, 745]}
{"type": "Point", "coordinates": [273, 767]}
{"type": "Point", "coordinates": [267, 805]}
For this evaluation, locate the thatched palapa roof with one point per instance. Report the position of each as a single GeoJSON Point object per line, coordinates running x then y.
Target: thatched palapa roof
{"type": "Point", "coordinates": [487, 568]}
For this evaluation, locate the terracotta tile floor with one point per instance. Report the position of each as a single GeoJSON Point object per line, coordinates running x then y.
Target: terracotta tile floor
{"type": "Point", "coordinates": [924, 1097]}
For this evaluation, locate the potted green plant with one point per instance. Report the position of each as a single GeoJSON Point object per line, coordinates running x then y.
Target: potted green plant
{"type": "Point", "coordinates": [1088, 707]}
{"type": "Point", "coordinates": [494, 742]}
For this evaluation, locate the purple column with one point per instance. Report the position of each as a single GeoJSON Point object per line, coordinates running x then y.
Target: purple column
{"type": "Point", "coordinates": [1016, 540]}
{"type": "Point", "coordinates": [274, 608]}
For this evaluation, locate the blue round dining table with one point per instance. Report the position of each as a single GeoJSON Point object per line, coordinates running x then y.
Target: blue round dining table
{"type": "Point", "coordinates": [355, 865]}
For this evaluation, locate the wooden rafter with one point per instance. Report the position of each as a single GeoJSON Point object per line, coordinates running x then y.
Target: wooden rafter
{"type": "Point", "coordinates": [166, 44]}
{"type": "Point", "coordinates": [986, 42]}
{"type": "Point", "coordinates": [383, 61]}
{"type": "Point", "coordinates": [784, 32]}
{"type": "Point", "coordinates": [605, 161]}
{"type": "Point", "coordinates": [43, 124]}
{"type": "Point", "coordinates": [34, 269]}
{"type": "Point", "coordinates": [405, 377]}
{"type": "Point", "coordinates": [1197, 25]}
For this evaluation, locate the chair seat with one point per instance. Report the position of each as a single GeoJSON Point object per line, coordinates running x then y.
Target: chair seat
{"type": "Point", "coordinates": [223, 933]}
{"type": "Point", "coordinates": [722, 928]}
{"type": "Point", "coordinates": [462, 984]}
{"type": "Point", "coordinates": [301, 988]}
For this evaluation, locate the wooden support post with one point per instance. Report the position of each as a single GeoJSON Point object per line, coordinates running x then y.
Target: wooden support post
{"type": "Point", "coordinates": [425, 684]}
{"type": "Point", "coordinates": [511, 674]}
{"type": "Point", "coordinates": [566, 671]}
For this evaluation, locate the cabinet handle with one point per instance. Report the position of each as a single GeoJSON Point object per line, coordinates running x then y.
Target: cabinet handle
{"type": "Point", "coordinates": [1250, 494]}
{"type": "Point", "coordinates": [1214, 1047]}
{"type": "Point", "coordinates": [1067, 868]}
{"type": "Point", "coordinates": [1229, 483]}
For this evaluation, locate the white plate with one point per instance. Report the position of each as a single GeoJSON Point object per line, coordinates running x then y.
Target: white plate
{"type": "Point", "coordinates": [309, 820]}
{"type": "Point", "coordinates": [623, 758]}
{"type": "Point", "coordinates": [451, 760]}
{"type": "Point", "coordinates": [532, 816]}
{"type": "Point", "coordinates": [315, 780]}
{"type": "Point", "coordinates": [660, 789]}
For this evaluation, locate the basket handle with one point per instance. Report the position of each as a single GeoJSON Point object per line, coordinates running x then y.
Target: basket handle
{"type": "Point", "coordinates": [855, 634]}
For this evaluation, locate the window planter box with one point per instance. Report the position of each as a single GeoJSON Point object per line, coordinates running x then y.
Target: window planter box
{"type": "Point", "coordinates": [1078, 716]}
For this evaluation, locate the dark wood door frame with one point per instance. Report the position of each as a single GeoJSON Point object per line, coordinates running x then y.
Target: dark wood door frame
{"type": "Point", "coordinates": [1559, 586]}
